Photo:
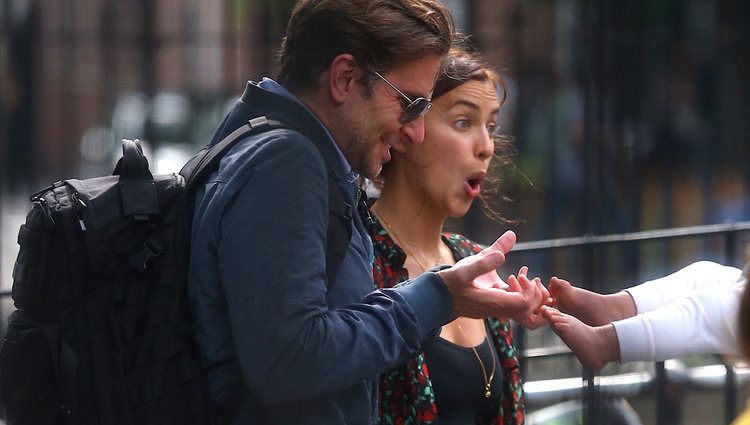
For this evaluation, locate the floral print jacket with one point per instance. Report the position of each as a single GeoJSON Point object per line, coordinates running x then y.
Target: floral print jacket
{"type": "Point", "coordinates": [406, 396]}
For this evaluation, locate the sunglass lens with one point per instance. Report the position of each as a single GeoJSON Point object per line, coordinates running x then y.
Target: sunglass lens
{"type": "Point", "coordinates": [415, 110]}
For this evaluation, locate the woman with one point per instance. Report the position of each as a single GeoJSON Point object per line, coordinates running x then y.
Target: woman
{"type": "Point", "coordinates": [469, 374]}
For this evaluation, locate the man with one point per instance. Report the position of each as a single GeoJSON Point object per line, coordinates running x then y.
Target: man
{"type": "Point", "coordinates": [280, 343]}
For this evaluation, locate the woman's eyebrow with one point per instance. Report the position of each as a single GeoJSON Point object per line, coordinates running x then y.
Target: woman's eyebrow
{"type": "Point", "coordinates": [464, 102]}
{"type": "Point", "coordinates": [472, 105]}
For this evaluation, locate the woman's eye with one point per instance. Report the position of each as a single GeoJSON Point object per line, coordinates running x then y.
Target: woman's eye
{"type": "Point", "coordinates": [491, 128]}
{"type": "Point", "coordinates": [462, 123]}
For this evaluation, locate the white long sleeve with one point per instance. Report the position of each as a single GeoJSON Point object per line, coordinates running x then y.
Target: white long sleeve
{"type": "Point", "coordinates": [693, 310]}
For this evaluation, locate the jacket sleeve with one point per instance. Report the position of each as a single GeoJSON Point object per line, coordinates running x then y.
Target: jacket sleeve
{"type": "Point", "coordinates": [290, 344]}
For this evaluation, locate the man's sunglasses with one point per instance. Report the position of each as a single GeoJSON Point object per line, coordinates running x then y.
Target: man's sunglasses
{"type": "Point", "coordinates": [414, 109]}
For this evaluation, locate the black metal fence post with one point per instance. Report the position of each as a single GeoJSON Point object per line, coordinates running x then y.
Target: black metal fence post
{"type": "Point", "coordinates": [730, 385]}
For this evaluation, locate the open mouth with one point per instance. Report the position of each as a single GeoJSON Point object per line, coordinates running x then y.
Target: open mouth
{"type": "Point", "coordinates": [474, 183]}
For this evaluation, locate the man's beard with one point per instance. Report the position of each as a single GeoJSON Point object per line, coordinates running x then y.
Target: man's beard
{"type": "Point", "coordinates": [362, 157]}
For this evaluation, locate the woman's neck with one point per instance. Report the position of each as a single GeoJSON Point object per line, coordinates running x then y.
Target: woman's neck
{"type": "Point", "coordinates": [413, 225]}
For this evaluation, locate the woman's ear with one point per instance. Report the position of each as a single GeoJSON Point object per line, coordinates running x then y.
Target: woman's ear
{"type": "Point", "coordinates": [342, 77]}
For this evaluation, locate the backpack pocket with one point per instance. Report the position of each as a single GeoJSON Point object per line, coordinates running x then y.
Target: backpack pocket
{"type": "Point", "coordinates": [31, 291]}
{"type": "Point", "coordinates": [28, 384]}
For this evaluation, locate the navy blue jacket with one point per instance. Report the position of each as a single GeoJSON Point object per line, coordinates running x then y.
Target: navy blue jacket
{"type": "Point", "coordinates": [265, 320]}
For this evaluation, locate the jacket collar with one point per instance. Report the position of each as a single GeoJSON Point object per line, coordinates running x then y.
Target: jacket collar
{"type": "Point", "coordinates": [290, 110]}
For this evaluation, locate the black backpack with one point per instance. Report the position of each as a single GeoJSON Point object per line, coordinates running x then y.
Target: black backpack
{"type": "Point", "coordinates": [101, 334]}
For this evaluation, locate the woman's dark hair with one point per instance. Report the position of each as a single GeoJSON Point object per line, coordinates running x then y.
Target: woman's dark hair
{"type": "Point", "coordinates": [460, 66]}
{"type": "Point", "coordinates": [378, 33]}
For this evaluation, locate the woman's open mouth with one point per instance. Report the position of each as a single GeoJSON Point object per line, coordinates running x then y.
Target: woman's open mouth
{"type": "Point", "coordinates": [473, 184]}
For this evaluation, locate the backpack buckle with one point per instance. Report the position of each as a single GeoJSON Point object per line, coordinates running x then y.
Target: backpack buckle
{"type": "Point", "coordinates": [150, 250]}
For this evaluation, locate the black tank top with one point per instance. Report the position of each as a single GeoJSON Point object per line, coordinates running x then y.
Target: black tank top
{"type": "Point", "coordinates": [458, 382]}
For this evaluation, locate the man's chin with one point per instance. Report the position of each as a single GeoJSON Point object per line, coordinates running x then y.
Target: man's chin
{"type": "Point", "coordinates": [372, 173]}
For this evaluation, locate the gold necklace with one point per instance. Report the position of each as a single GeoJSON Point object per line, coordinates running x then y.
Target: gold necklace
{"type": "Point", "coordinates": [400, 239]}
{"type": "Point", "coordinates": [487, 380]}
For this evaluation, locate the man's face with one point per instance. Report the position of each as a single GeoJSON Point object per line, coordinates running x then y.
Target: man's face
{"type": "Point", "coordinates": [373, 123]}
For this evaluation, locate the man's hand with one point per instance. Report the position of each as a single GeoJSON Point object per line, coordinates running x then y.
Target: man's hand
{"type": "Point", "coordinates": [479, 292]}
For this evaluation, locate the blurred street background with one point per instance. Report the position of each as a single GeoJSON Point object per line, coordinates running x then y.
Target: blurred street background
{"type": "Point", "coordinates": [627, 116]}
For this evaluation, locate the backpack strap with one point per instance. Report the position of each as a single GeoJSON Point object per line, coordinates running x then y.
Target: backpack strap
{"type": "Point", "coordinates": [339, 231]}
{"type": "Point", "coordinates": [207, 159]}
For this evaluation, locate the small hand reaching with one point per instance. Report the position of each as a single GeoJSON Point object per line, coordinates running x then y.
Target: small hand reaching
{"type": "Point", "coordinates": [531, 317]}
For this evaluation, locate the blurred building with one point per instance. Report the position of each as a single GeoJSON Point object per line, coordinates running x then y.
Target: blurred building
{"type": "Point", "coordinates": [624, 113]}
{"type": "Point", "coordinates": [78, 69]}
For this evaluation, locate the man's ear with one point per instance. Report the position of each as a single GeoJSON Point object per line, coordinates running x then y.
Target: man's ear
{"type": "Point", "coordinates": [342, 77]}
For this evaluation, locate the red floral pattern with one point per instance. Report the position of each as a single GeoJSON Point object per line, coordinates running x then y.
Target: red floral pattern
{"type": "Point", "coordinates": [406, 395]}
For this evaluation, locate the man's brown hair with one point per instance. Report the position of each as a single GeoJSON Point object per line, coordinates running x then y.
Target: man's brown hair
{"type": "Point", "coordinates": [378, 33]}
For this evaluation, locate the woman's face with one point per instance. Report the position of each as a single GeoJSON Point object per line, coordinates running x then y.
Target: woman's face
{"type": "Point", "coordinates": [451, 164]}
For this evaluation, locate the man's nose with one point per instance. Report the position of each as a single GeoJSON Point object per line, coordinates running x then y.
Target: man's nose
{"type": "Point", "coordinates": [414, 130]}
